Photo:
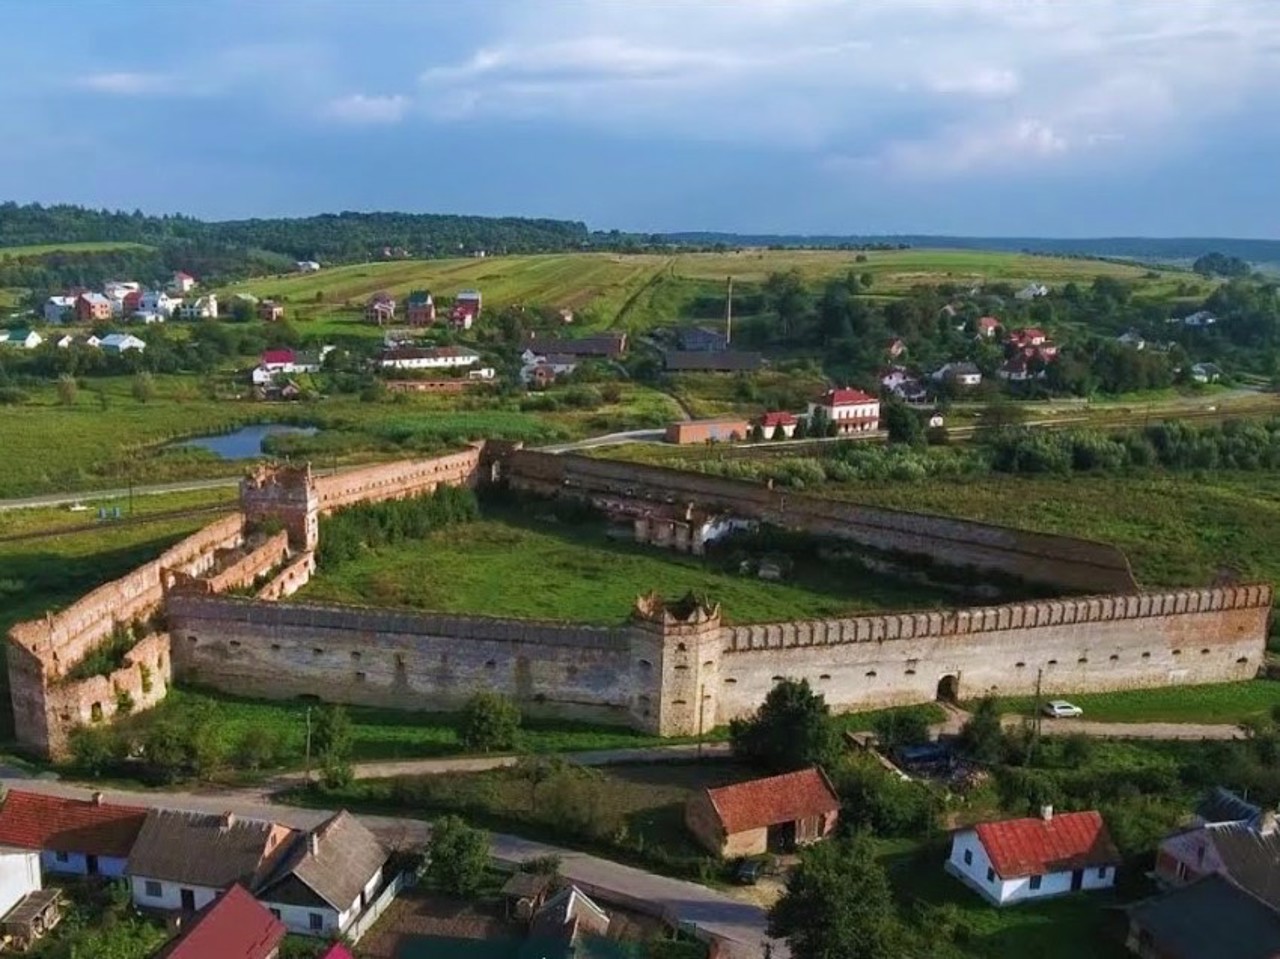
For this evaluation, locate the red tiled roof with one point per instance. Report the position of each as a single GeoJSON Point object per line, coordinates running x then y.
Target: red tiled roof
{"type": "Point", "coordinates": [846, 397]}
{"type": "Point", "coordinates": [1033, 847]}
{"type": "Point", "coordinates": [339, 951]}
{"type": "Point", "coordinates": [778, 799]}
{"type": "Point", "coordinates": [987, 322]}
{"type": "Point", "coordinates": [277, 356]}
{"type": "Point", "coordinates": [236, 926]}
{"type": "Point", "coordinates": [779, 418]}
{"type": "Point", "coordinates": [33, 821]}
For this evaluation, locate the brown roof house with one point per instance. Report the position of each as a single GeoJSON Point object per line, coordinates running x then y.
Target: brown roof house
{"type": "Point", "coordinates": [326, 878]}
{"type": "Point", "coordinates": [183, 860]}
{"type": "Point", "coordinates": [566, 926]}
{"type": "Point", "coordinates": [781, 812]}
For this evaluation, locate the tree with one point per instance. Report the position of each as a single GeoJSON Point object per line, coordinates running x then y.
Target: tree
{"type": "Point", "coordinates": [895, 728]}
{"type": "Point", "coordinates": [332, 740]}
{"type": "Point", "coordinates": [143, 388]}
{"type": "Point", "coordinates": [982, 736]}
{"type": "Point", "coordinates": [256, 749]}
{"type": "Point", "coordinates": [866, 280]}
{"type": "Point", "coordinates": [838, 905]}
{"type": "Point", "coordinates": [791, 729]}
{"type": "Point", "coordinates": [903, 424]}
{"type": "Point", "coordinates": [489, 721]}
{"type": "Point", "coordinates": [95, 748]}
{"type": "Point", "coordinates": [457, 856]}
{"type": "Point", "coordinates": [536, 770]}
{"type": "Point", "coordinates": [68, 389]}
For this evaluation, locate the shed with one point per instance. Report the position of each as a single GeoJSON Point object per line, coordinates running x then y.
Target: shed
{"type": "Point", "coordinates": [779, 812]}
{"type": "Point", "coordinates": [525, 892]}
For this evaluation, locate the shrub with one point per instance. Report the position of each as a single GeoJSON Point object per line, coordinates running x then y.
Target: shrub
{"type": "Point", "coordinates": [489, 721]}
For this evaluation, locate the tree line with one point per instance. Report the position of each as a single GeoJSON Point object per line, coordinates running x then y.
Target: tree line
{"type": "Point", "coordinates": [347, 533]}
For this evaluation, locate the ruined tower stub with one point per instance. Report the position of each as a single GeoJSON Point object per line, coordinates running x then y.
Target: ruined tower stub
{"type": "Point", "coordinates": [675, 659]}
{"type": "Point", "coordinates": [287, 495]}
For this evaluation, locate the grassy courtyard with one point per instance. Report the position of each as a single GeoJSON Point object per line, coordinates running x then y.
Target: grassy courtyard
{"type": "Point", "coordinates": [1212, 703]}
{"type": "Point", "coordinates": [531, 565]}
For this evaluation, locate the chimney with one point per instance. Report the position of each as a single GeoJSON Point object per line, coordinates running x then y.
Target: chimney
{"type": "Point", "coordinates": [228, 819]}
{"type": "Point", "coordinates": [313, 843]}
{"type": "Point", "coordinates": [1046, 812]}
{"type": "Point", "coordinates": [99, 798]}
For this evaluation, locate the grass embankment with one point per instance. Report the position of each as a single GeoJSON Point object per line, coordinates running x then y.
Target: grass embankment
{"type": "Point", "coordinates": [1214, 703]}
{"type": "Point", "coordinates": [535, 566]}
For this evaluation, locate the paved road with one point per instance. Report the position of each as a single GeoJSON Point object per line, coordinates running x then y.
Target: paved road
{"type": "Point", "coordinates": [66, 499]}
{"type": "Point", "coordinates": [608, 439]}
{"type": "Point", "coordinates": [740, 924]}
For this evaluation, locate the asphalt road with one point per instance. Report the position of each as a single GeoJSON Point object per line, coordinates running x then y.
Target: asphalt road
{"type": "Point", "coordinates": [68, 499]}
{"type": "Point", "coordinates": [739, 924]}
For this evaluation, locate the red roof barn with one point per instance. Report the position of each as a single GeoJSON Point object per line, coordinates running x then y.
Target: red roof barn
{"type": "Point", "coordinates": [779, 812]}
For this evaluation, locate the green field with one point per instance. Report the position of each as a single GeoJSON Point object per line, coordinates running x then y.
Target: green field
{"type": "Point", "coordinates": [639, 291]}
{"type": "Point", "coordinates": [1214, 703]}
{"type": "Point", "coordinates": [1177, 529]}
{"type": "Point", "coordinates": [536, 567]}
{"type": "Point", "coordinates": [46, 248]}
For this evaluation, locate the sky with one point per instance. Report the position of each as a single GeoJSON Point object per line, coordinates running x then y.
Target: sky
{"type": "Point", "coordinates": [974, 117]}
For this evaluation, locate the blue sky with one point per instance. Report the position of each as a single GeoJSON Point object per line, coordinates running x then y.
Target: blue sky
{"type": "Point", "coordinates": [995, 117]}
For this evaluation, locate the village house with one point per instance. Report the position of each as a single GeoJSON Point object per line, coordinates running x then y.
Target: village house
{"type": "Point", "coordinates": [1022, 367]}
{"type": "Point", "coordinates": [27, 909]}
{"type": "Point", "coordinates": [20, 338]}
{"type": "Point", "coordinates": [711, 361]}
{"type": "Point", "coordinates": [65, 341]}
{"type": "Point", "coordinates": [724, 430]}
{"type": "Point", "coordinates": [1031, 291]}
{"type": "Point", "coordinates": [902, 384]}
{"type": "Point", "coordinates": [541, 371]}
{"type": "Point", "coordinates": [1209, 919]}
{"type": "Point", "coordinates": [59, 309]}
{"type": "Point", "coordinates": [420, 308]}
{"type": "Point", "coordinates": [1197, 320]}
{"type": "Point", "coordinates": [269, 311]}
{"type": "Point", "coordinates": [201, 308]}
{"type": "Point", "coordinates": [566, 924]}
{"type": "Point", "coordinates": [145, 317]}
{"type": "Point", "coordinates": [963, 374]}
{"type": "Point", "coordinates": [327, 878]}
{"type": "Point", "coordinates": [74, 837]}
{"type": "Point", "coordinates": [381, 309]}
{"type": "Point", "coordinates": [132, 302]}
{"type": "Point", "coordinates": [285, 362]}
{"type": "Point", "coordinates": [182, 283]}
{"type": "Point", "coordinates": [525, 892]}
{"type": "Point", "coordinates": [778, 421]}
{"type": "Point", "coordinates": [466, 309]}
{"type": "Point", "coordinates": [1028, 336]}
{"type": "Point", "coordinates": [778, 813]}
{"type": "Point", "coordinates": [235, 926]}
{"type": "Point", "coordinates": [852, 411]}
{"type": "Point", "coordinates": [182, 861]}
{"type": "Point", "coordinates": [427, 358]}
{"type": "Point", "coordinates": [987, 327]}
{"type": "Point", "coordinates": [609, 346]}
{"type": "Point", "coordinates": [1132, 339]}
{"type": "Point", "coordinates": [120, 343]}
{"type": "Point", "coordinates": [119, 289]}
{"type": "Point", "coordinates": [158, 301]}
{"type": "Point", "coordinates": [307, 266]}
{"type": "Point", "coordinates": [92, 308]}
{"type": "Point", "coordinates": [1019, 859]}
{"type": "Point", "coordinates": [1205, 373]}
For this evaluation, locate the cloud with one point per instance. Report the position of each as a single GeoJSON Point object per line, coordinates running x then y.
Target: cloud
{"type": "Point", "coordinates": [357, 108]}
{"type": "Point", "coordinates": [126, 84]}
{"type": "Point", "coordinates": [983, 82]}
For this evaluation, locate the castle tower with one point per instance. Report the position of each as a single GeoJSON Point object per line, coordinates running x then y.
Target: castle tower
{"type": "Point", "coordinates": [675, 664]}
{"type": "Point", "coordinates": [287, 495]}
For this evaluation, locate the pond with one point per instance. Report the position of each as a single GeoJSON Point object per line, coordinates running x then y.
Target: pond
{"type": "Point", "coordinates": [244, 443]}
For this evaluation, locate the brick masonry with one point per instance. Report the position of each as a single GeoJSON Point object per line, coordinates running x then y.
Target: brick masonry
{"type": "Point", "coordinates": [671, 668]}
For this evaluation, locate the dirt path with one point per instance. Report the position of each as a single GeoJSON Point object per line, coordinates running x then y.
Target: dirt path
{"type": "Point", "coordinates": [1068, 727]}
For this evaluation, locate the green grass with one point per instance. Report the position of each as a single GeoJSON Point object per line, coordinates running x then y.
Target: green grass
{"type": "Point", "coordinates": [1177, 529]}
{"type": "Point", "coordinates": [95, 247]}
{"type": "Point", "coordinates": [1214, 703]}
{"type": "Point", "coordinates": [532, 566]}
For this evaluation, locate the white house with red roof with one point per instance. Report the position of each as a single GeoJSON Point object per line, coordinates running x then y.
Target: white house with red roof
{"type": "Point", "coordinates": [1028, 336]}
{"type": "Point", "coordinates": [79, 837]}
{"type": "Point", "coordinates": [987, 326]}
{"type": "Point", "coordinates": [852, 411]}
{"type": "Point", "coordinates": [182, 283]}
{"type": "Point", "coordinates": [1015, 860]}
{"type": "Point", "coordinates": [776, 421]}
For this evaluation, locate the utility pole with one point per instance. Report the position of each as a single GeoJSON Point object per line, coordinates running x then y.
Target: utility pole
{"type": "Point", "coordinates": [1035, 727]}
{"type": "Point", "coordinates": [702, 702]}
{"type": "Point", "coordinates": [728, 315]}
{"type": "Point", "coordinates": [308, 760]}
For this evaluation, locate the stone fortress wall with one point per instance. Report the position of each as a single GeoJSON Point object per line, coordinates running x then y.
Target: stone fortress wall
{"type": "Point", "coordinates": [672, 668]}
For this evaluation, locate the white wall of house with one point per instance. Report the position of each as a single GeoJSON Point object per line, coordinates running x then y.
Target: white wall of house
{"type": "Point", "coordinates": [969, 860]}
{"type": "Point", "coordinates": [19, 875]}
{"type": "Point", "coordinates": [166, 894]}
{"type": "Point", "coordinates": [299, 918]}
{"type": "Point", "coordinates": [429, 362]}
{"type": "Point", "coordinates": [77, 864]}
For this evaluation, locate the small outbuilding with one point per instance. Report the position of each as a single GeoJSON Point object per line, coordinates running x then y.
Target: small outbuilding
{"type": "Point", "coordinates": [1015, 860]}
{"type": "Point", "coordinates": [525, 892]}
{"type": "Point", "coordinates": [778, 813]}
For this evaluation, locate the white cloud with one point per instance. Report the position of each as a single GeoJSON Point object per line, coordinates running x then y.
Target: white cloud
{"type": "Point", "coordinates": [983, 82]}
{"type": "Point", "coordinates": [361, 109]}
{"type": "Point", "coordinates": [126, 84]}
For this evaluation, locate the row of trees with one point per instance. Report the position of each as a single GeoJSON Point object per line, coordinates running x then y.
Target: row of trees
{"type": "Point", "coordinates": [346, 534]}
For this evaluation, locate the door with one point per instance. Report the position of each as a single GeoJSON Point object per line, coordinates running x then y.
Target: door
{"type": "Point", "coordinates": [91, 865]}
{"type": "Point", "coordinates": [188, 898]}
{"type": "Point", "coordinates": [1077, 880]}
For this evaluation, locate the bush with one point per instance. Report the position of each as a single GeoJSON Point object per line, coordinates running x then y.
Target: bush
{"type": "Point", "coordinates": [457, 856]}
{"type": "Point", "coordinates": [489, 721]}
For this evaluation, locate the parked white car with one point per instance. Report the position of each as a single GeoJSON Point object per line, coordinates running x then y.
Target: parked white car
{"type": "Point", "coordinates": [1061, 709]}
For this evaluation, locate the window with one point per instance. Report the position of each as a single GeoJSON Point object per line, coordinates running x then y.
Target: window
{"type": "Point", "coordinates": [1102, 872]}
{"type": "Point", "coordinates": [968, 857]}
{"type": "Point", "coordinates": [360, 677]}
{"type": "Point", "coordinates": [153, 890]}
{"type": "Point", "coordinates": [991, 874]}
{"type": "Point", "coordinates": [315, 921]}
{"type": "Point", "coordinates": [61, 857]}
{"type": "Point", "coordinates": [1035, 883]}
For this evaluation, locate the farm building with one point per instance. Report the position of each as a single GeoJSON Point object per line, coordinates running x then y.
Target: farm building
{"type": "Point", "coordinates": [708, 431]}
{"type": "Point", "coordinates": [777, 813]}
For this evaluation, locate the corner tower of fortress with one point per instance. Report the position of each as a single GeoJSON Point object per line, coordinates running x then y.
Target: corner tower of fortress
{"type": "Point", "coordinates": [675, 659]}
{"type": "Point", "coordinates": [285, 494]}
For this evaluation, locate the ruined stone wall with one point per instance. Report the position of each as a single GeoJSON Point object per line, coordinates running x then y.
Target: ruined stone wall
{"type": "Point", "coordinates": [292, 577]}
{"type": "Point", "coordinates": [1064, 562]}
{"type": "Point", "coordinates": [246, 570]}
{"type": "Point", "coordinates": [1092, 643]}
{"type": "Point", "coordinates": [396, 480]}
{"type": "Point", "coordinates": [406, 660]}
